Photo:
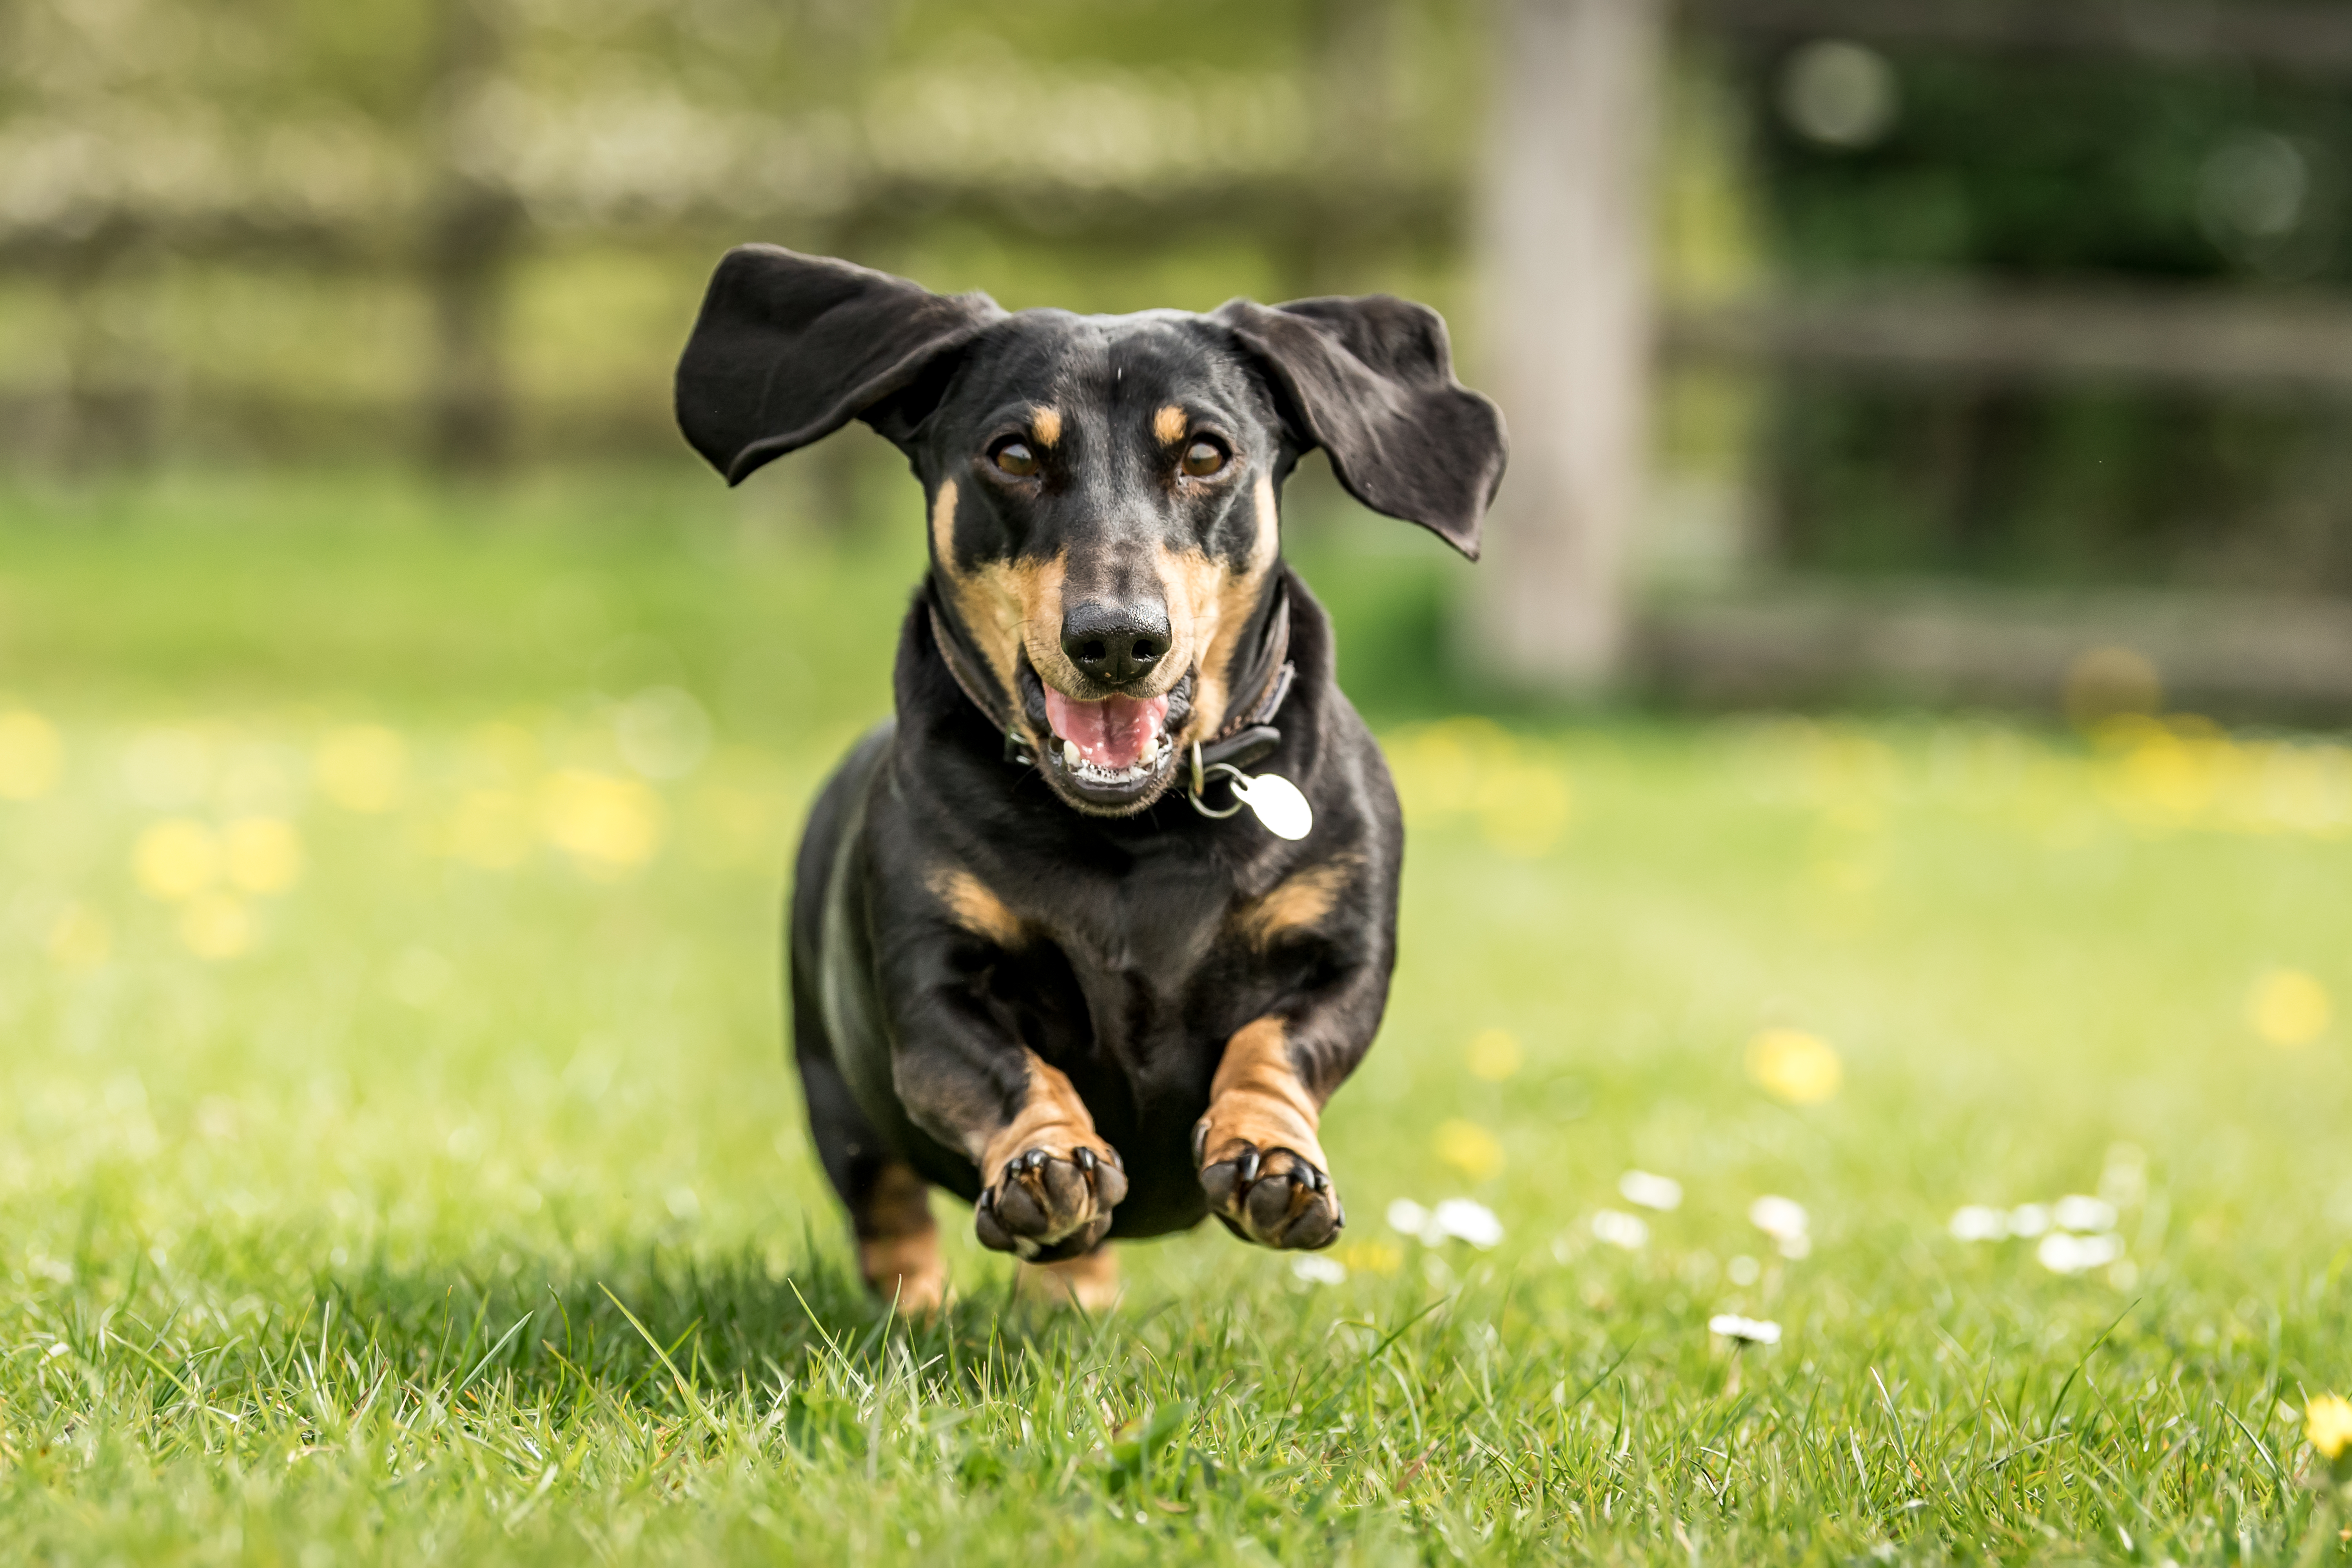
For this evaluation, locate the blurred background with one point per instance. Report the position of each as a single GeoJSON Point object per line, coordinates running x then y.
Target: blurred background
{"type": "Point", "coordinates": [1888, 766]}
{"type": "Point", "coordinates": [1854, 350]}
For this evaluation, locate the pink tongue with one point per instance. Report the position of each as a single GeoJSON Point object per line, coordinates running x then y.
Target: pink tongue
{"type": "Point", "coordinates": [1114, 733]}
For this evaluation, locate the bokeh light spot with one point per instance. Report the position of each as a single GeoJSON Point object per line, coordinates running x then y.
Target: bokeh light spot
{"type": "Point", "coordinates": [176, 859]}
{"type": "Point", "coordinates": [1470, 1149]}
{"type": "Point", "coordinates": [1795, 1066]}
{"type": "Point", "coordinates": [1495, 1055]}
{"type": "Point", "coordinates": [1839, 94]}
{"type": "Point", "coordinates": [608, 824]}
{"type": "Point", "coordinates": [2289, 1007]}
{"type": "Point", "coordinates": [32, 755]}
{"type": "Point", "coordinates": [263, 854]}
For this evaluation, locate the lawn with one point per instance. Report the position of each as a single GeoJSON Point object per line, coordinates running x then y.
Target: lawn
{"type": "Point", "coordinates": [398, 1159]}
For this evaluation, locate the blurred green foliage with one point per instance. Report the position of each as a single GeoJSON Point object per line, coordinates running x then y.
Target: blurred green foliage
{"type": "Point", "coordinates": [2087, 174]}
{"type": "Point", "coordinates": [319, 234]}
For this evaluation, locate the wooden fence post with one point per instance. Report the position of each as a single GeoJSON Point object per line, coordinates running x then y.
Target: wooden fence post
{"type": "Point", "coordinates": [471, 229]}
{"type": "Point", "coordinates": [1567, 334]}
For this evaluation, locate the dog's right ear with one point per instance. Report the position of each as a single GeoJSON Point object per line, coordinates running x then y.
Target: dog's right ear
{"type": "Point", "coordinates": [790, 348]}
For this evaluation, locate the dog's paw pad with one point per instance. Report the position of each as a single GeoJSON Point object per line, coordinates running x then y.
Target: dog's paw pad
{"type": "Point", "coordinates": [1045, 1205]}
{"type": "Point", "coordinates": [1273, 1197]}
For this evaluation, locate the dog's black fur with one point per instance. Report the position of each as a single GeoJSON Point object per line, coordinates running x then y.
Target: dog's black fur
{"type": "Point", "coordinates": [983, 932]}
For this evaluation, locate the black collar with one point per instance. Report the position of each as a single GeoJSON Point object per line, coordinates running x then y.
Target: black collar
{"type": "Point", "coordinates": [1248, 732]}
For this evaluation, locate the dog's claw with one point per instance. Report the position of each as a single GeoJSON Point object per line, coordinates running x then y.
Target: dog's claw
{"type": "Point", "coordinates": [1047, 1206]}
{"type": "Point", "coordinates": [1275, 1197]}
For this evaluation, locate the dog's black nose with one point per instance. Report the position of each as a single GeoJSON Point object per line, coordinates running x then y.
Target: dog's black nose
{"type": "Point", "coordinates": [1115, 644]}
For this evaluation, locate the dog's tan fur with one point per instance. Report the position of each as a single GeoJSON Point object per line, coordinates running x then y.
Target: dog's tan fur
{"type": "Point", "coordinates": [1089, 1281]}
{"type": "Point", "coordinates": [975, 907]}
{"type": "Point", "coordinates": [1053, 1118]}
{"type": "Point", "coordinates": [898, 1243]}
{"type": "Point", "coordinates": [1298, 902]}
{"type": "Point", "coordinates": [1257, 1098]}
{"type": "Point", "coordinates": [1008, 607]}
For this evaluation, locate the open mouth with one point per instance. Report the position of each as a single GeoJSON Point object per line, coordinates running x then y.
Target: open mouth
{"type": "Point", "coordinates": [1114, 753]}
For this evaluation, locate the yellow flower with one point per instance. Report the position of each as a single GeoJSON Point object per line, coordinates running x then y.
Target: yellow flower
{"type": "Point", "coordinates": [1494, 1055]}
{"type": "Point", "coordinates": [1369, 1257]}
{"type": "Point", "coordinates": [2327, 1421]}
{"type": "Point", "coordinates": [2288, 1008]}
{"type": "Point", "coordinates": [1795, 1066]}
{"type": "Point", "coordinates": [264, 854]}
{"type": "Point", "coordinates": [1469, 1148]}
{"type": "Point", "coordinates": [31, 755]}
{"type": "Point", "coordinates": [176, 859]}
{"type": "Point", "coordinates": [361, 767]}
{"type": "Point", "coordinates": [610, 824]}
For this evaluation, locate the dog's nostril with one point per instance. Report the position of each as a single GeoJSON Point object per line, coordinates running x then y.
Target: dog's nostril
{"type": "Point", "coordinates": [1115, 644]}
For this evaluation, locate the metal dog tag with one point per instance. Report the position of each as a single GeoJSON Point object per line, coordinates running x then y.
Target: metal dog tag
{"type": "Point", "coordinates": [1279, 808]}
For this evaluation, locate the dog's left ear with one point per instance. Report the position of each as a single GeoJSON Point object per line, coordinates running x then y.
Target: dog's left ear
{"type": "Point", "coordinates": [1370, 381]}
{"type": "Point", "coordinates": [790, 348]}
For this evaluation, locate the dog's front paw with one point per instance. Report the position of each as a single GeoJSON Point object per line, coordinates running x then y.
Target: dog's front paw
{"type": "Point", "coordinates": [1044, 1207]}
{"type": "Point", "coordinates": [1275, 1197]}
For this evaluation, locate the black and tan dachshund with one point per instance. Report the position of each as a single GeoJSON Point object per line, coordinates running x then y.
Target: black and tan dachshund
{"type": "Point", "coordinates": [1064, 941]}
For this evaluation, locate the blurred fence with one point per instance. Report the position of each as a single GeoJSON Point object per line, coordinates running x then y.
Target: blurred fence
{"type": "Point", "coordinates": [1808, 313]}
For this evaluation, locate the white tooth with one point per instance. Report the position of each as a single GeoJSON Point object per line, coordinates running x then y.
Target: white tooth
{"type": "Point", "coordinates": [1071, 754]}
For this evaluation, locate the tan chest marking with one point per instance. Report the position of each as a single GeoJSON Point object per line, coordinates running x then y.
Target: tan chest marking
{"type": "Point", "coordinates": [977, 910]}
{"type": "Point", "coordinates": [1298, 902]}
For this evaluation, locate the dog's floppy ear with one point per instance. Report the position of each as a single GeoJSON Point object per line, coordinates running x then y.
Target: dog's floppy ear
{"type": "Point", "coordinates": [790, 348]}
{"type": "Point", "coordinates": [1370, 381]}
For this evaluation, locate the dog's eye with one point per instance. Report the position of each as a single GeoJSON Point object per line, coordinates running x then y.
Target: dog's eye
{"type": "Point", "coordinates": [1203, 458]}
{"type": "Point", "coordinates": [1014, 457]}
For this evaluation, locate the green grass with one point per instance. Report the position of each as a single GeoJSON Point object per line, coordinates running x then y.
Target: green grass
{"type": "Point", "coordinates": [458, 1208]}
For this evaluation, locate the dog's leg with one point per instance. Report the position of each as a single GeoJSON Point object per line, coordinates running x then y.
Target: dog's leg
{"type": "Point", "coordinates": [1049, 1180]}
{"type": "Point", "coordinates": [1256, 1150]}
{"type": "Point", "coordinates": [1088, 1281]}
{"type": "Point", "coordinates": [889, 1206]}
{"type": "Point", "coordinates": [898, 1242]}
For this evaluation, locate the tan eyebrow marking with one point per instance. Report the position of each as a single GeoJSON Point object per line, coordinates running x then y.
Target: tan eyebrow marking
{"type": "Point", "coordinates": [1169, 424]}
{"type": "Point", "coordinates": [1046, 424]}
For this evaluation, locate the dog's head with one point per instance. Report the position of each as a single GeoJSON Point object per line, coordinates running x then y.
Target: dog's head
{"type": "Point", "coordinates": [1103, 490]}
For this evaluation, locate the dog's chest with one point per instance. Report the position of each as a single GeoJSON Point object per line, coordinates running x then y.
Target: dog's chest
{"type": "Point", "coordinates": [1124, 963]}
